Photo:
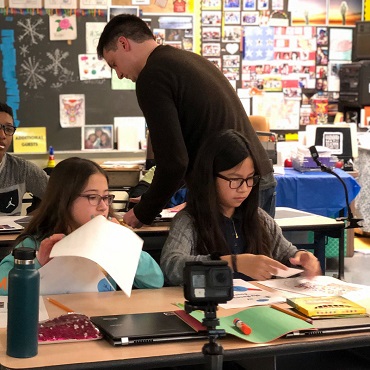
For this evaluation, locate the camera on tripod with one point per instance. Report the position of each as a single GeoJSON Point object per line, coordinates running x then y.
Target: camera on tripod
{"type": "Point", "coordinates": [208, 282]}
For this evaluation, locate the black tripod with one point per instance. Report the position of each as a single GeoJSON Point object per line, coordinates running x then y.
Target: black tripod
{"type": "Point", "coordinates": [213, 352]}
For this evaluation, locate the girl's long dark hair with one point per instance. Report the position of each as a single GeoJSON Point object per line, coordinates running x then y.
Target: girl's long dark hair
{"type": "Point", "coordinates": [66, 183]}
{"type": "Point", "coordinates": [219, 153]}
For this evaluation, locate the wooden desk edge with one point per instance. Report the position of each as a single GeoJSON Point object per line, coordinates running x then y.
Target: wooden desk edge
{"type": "Point", "coordinates": [103, 355]}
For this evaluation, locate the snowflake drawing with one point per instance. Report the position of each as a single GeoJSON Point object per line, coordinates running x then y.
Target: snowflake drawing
{"type": "Point", "coordinates": [29, 29]}
{"type": "Point", "coordinates": [67, 77]}
{"type": "Point", "coordinates": [64, 77]}
{"type": "Point", "coordinates": [23, 50]}
{"type": "Point", "coordinates": [56, 85]}
{"type": "Point", "coordinates": [56, 62]}
{"type": "Point", "coordinates": [33, 71]}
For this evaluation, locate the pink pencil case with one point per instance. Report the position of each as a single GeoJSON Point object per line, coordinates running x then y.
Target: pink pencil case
{"type": "Point", "coordinates": [68, 328]}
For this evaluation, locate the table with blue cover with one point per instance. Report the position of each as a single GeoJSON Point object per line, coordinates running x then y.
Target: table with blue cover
{"type": "Point", "coordinates": [322, 194]}
{"type": "Point", "coordinates": [314, 191]}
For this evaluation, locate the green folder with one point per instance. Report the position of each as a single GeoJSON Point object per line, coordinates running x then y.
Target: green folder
{"type": "Point", "coordinates": [266, 323]}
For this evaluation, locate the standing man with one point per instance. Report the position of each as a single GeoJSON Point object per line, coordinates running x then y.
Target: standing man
{"type": "Point", "coordinates": [17, 176]}
{"type": "Point", "coordinates": [184, 98]}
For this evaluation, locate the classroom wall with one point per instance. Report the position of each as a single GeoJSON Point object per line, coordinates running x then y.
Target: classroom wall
{"type": "Point", "coordinates": [35, 70]}
{"type": "Point", "coordinates": [46, 69]}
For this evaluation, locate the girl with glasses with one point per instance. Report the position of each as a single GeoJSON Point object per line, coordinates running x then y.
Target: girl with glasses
{"type": "Point", "coordinates": [222, 219]}
{"type": "Point", "coordinates": [77, 192]}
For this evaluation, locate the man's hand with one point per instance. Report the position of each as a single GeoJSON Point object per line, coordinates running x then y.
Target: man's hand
{"type": "Point", "coordinates": [130, 219]}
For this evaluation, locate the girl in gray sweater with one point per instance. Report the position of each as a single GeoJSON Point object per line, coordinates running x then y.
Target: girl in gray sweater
{"type": "Point", "coordinates": [222, 219]}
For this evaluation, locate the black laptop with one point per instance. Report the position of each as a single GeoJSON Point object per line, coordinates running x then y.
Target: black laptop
{"type": "Point", "coordinates": [334, 326]}
{"type": "Point", "coordinates": [145, 328]}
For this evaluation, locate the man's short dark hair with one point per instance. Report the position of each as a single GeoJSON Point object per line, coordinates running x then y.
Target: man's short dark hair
{"type": "Point", "coordinates": [127, 25]}
{"type": "Point", "coordinates": [5, 108]}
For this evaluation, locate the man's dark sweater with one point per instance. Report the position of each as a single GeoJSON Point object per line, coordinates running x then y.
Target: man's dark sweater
{"type": "Point", "coordinates": [185, 98]}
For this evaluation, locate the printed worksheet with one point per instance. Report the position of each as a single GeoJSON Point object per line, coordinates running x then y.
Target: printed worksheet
{"type": "Point", "coordinates": [323, 286]}
{"type": "Point", "coordinates": [247, 294]}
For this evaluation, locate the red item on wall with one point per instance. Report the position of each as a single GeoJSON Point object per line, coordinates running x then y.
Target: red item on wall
{"type": "Point", "coordinates": [179, 6]}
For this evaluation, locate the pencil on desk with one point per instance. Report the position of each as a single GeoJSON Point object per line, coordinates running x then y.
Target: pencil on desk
{"type": "Point", "coordinates": [291, 313]}
{"type": "Point", "coordinates": [60, 305]}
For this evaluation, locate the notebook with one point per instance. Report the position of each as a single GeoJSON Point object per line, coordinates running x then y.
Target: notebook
{"type": "Point", "coordinates": [145, 328]}
{"type": "Point", "coordinates": [334, 326]}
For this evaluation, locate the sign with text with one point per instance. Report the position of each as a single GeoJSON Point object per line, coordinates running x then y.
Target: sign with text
{"type": "Point", "coordinates": [29, 140]}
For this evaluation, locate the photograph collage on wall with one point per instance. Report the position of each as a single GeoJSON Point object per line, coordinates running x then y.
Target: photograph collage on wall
{"type": "Point", "coordinates": [258, 47]}
{"type": "Point", "coordinates": [176, 31]}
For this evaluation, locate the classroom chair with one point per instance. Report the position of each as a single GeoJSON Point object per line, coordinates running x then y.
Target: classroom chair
{"type": "Point", "coordinates": [267, 138]}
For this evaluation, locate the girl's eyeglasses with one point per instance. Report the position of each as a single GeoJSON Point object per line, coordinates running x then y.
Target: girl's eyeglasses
{"type": "Point", "coordinates": [95, 199]}
{"type": "Point", "coordinates": [238, 182]}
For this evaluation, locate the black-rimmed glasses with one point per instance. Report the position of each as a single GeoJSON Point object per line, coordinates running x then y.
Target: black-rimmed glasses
{"type": "Point", "coordinates": [8, 129]}
{"type": "Point", "coordinates": [95, 199]}
{"type": "Point", "coordinates": [238, 182]}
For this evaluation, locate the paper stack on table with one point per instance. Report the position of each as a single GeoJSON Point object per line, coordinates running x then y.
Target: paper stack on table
{"type": "Point", "coordinates": [43, 313]}
{"type": "Point", "coordinates": [9, 225]}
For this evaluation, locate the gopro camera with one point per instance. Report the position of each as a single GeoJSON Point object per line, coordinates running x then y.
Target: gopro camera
{"type": "Point", "coordinates": [208, 282]}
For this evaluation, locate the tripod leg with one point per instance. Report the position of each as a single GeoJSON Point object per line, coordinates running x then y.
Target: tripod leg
{"type": "Point", "coordinates": [213, 352]}
{"type": "Point", "coordinates": [214, 362]}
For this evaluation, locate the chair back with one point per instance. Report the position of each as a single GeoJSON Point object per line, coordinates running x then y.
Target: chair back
{"type": "Point", "coordinates": [260, 124]}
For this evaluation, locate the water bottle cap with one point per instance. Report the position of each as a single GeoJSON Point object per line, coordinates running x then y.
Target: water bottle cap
{"type": "Point", "coordinates": [23, 253]}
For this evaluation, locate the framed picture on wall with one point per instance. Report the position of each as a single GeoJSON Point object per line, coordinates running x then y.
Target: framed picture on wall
{"type": "Point", "coordinates": [97, 137]}
{"type": "Point", "coordinates": [117, 9]}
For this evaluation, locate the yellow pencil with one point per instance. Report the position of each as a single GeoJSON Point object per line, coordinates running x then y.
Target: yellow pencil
{"type": "Point", "coordinates": [291, 313]}
{"type": "Point", "coordinates": [60, 305]}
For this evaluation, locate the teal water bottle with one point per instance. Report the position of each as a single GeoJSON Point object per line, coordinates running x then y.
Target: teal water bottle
{"type": "Point", "coordinates": [23, 305]}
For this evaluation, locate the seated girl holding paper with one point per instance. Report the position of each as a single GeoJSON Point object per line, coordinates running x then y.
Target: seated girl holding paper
{"type": "Point", "coordinates": [222, 219]}
{"type": "Point", "coordinates": [77, 192]}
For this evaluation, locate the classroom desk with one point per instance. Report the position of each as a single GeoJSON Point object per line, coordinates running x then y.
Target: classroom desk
{"type": "Point", "coordinates": [158, 228]}
{"type": "Point", "coordinates": [101, 355]}
{"type": "Point", "coordinates": [295, 221]}
{"type": "Point", "coordinates": [290, 220]}
{"type": "Point", "coordinates": [315, 192]}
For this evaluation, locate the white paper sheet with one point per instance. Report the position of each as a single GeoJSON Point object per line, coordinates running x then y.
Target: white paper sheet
{"type": "Point", "coordinates": [114, 247]}
{"type": "Point", "coordinates": [43, 314]}
{"type": "Point", "coordinates": [79, 275]}
{"type": "Point", "coordinates": [290, 272]}
{"type": "Point", "coordinates": [167, 213]}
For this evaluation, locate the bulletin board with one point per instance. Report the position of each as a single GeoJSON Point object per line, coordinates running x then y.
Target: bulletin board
{"type": "Point", "coordinates": [36, 71]}
{"type": "Point", "coordinates": [45, 69]}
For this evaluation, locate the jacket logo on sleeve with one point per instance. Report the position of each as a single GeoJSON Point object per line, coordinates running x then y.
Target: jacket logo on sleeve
{"type": "Point", "coordinates": [9, 201]}
{"type": "Point", "coordinates": [3, 284]}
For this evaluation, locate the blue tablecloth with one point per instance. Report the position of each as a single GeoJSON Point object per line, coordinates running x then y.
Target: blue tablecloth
{"type": "Point", "coordinates": [315, 191]}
